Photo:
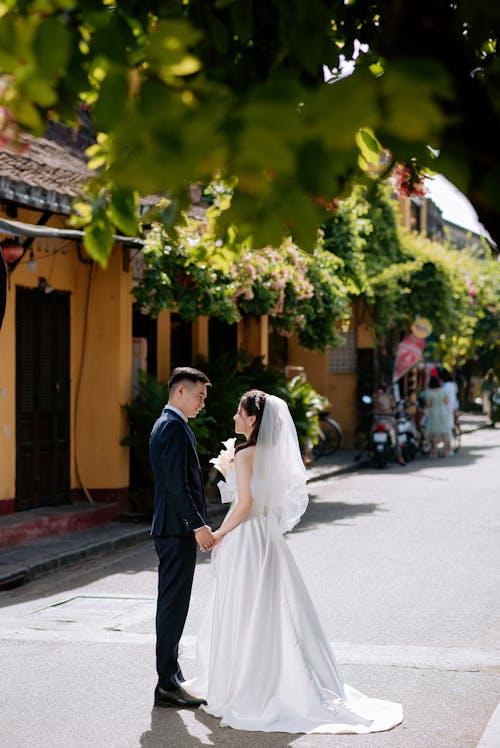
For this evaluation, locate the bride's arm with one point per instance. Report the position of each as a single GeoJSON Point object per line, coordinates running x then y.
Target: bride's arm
{"type": "Point", "coordinates": [243, 464]}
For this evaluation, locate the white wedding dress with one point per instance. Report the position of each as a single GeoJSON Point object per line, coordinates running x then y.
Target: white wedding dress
{"type": "Point", "coordinates": [263, 661]}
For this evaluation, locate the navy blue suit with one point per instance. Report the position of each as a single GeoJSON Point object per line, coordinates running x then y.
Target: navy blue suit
{"type": "Point", "coordinates": [180, 508]}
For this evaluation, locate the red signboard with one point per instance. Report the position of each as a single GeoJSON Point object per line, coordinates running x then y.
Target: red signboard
{"type": "Point", "coordinates": [409, 353]}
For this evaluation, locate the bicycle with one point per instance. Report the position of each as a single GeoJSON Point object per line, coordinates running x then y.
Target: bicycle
{"type": "Point", "coordinates": [456, 435]}
{"type": "Point", "coordinates": [330, 437]}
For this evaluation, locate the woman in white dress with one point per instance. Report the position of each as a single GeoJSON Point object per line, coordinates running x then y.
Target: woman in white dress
{"type": "Point", "coordinates": [451, 390]}
{"type": "Point", "coordinates": [263, 660]}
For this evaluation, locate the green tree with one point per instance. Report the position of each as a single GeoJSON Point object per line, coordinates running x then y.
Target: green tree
{"type": "Point", "coordinates": [403, 275]}
{"type": "Point", "coordinates": [184, 90]}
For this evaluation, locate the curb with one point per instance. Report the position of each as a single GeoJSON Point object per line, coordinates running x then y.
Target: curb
{"type": "Point", "coordinates": [71, 518]}
{"type": "Point", "coordinates": [23, 564]}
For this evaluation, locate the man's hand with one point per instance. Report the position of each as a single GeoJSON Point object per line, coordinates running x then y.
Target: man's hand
{"type": "Point", "coordinates": [205, 539]}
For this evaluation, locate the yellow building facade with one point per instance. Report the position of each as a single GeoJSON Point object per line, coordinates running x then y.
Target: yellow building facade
{"type": "Point", "coordinates": [335, 374]}
{"type": "Point", "coordinates": [84, 376]}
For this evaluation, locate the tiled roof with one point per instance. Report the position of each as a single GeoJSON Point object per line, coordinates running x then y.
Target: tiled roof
{"type": "Point", "coordinates": [50, 173]}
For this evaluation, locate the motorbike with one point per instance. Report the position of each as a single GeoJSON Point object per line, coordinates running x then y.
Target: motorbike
{"type": "Point", "coordinates": [382, 449]}
{"type": "Point", "coordinates": [495, 406]}
{"type": "Point", "coordinates": [407, 432]}
{"type": "Point", "coordinates": [379, 443]}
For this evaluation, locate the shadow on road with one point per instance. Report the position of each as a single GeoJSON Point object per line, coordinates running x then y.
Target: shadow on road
{"type": "Point", "coordinates": [329, 512]}
{"type": "Point", "coordinates": [466, 456]}
{"type": "Point", "coordinates": [171, 728]}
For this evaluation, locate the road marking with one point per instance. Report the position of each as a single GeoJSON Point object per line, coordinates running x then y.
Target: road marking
{"type": "Point", "coordinates": [346, 653]}
{"type": "Point", "coordinates": [491, 736]}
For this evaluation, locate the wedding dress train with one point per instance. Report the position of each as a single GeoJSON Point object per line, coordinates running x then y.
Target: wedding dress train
{"type": "Point", "coordinates": [263, 660]}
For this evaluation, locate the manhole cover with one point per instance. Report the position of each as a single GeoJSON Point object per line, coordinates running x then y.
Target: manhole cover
{"type": "Point", "coordinates": [95, 611]}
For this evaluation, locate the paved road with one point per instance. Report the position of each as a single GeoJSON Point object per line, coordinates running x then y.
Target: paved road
{"type": "Point", "coordinates": [402, 565]}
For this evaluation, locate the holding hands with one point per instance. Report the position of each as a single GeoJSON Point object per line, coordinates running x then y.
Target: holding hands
{"type": "Point", "coordinates": [206, 539]}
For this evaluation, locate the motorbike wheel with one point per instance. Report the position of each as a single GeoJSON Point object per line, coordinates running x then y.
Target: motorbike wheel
{"type": "Point", "coordinates": [381, 459]}
{"type": "Point", "coordinates": [319, 447]}
{"type": "Point", "coordinates": [329, 440]}
{"type": "Point", "coordinates": [425, 447]}
{"type": "Point", "coordinates": [409, 451]}
{"type": "Point", "coordinates": [333, 435]}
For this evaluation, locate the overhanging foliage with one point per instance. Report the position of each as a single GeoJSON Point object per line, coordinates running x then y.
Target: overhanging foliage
{"type": "Point", "coordinates": [186, 90]}
{"type": "Point", "coordinates": [362, 253]}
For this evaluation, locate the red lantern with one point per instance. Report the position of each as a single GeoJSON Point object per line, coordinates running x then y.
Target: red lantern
{"type": "Point", "coordinates": [12, 250]}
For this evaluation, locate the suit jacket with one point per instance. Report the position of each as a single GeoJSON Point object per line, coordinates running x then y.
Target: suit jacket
{"type": "Point", "coordinates": [180, 504]}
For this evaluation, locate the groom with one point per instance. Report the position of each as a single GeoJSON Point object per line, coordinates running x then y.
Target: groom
{"type": "Point", "coordinates": [179, 524]}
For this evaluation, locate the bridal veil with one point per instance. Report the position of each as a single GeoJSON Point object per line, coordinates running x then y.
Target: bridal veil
{"type": "Point", "coordinates": [278, 484]}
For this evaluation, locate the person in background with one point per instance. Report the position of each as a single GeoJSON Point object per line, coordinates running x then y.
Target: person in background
{"type": "Point", "coordinates": [437, 421]}
{"type": "Point", "coordinates": [451, 390]}
{"type": "Point", "coordinates": [488, 387]}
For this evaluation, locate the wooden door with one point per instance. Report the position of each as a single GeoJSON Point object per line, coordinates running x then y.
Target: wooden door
{"type": "Point", "coordinates": [42, 399]}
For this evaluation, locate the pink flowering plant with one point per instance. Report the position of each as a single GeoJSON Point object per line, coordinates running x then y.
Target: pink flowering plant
{"type": "Point", "coordinates": [301, 292]}
{"type": "Point", "coordinates": [407, 180]}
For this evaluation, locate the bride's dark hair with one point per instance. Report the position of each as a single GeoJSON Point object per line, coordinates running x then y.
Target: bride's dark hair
{"type": "Point", "coordinates": [253, 402]}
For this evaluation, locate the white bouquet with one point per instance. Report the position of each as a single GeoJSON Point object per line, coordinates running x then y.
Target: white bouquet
{"type": "Point", "coordinates": [225, 458]}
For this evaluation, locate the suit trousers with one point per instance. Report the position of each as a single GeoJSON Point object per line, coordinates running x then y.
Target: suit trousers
{"type": "Point", "coordinates": [177, 557]}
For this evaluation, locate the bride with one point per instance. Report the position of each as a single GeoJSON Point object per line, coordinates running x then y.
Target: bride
{"type": "Point", "coordinates": [263, 661]}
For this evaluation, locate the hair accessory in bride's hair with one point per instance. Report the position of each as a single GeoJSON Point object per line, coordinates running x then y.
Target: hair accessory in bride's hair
{"type": "Point", "coordinates": [257, 398]}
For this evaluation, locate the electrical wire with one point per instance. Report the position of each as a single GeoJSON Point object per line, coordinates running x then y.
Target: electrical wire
{"type": "Point", "coordinates": [79, 381]}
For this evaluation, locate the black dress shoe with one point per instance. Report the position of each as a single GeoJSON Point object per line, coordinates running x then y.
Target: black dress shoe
{"type": "Point", "coordinates": [176, 697]}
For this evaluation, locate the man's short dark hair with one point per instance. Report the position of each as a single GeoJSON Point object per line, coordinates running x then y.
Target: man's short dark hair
{"type": "Point", "coordinates": [187, 374]}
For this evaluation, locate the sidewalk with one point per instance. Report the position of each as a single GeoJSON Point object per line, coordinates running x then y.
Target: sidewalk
{"type": "Point", "coordinates": [22, 563]}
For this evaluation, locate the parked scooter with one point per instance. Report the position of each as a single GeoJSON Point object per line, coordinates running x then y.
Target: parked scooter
{"type": "Point", "coordinates": [495, 406]}
{"type": "Point", "coordinates": [407, 433]}
{"type": "Point", "coordinates": [382, 448]}
{"type": "Point", "coordinates": [379, 443]}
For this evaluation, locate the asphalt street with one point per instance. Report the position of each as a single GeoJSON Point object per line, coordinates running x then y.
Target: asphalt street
{"type": "Point", "coordinates": [402, 565]}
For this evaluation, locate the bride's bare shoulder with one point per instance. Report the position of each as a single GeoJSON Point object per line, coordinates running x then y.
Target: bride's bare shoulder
{"type": "Point", "coordinates": [245, 456]}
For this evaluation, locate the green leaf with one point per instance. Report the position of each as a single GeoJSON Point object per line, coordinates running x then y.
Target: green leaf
{"type": "Point", "coordinates": [51, 47]}
{"type": "Point", "coordinates": [112, 38]}
{"type": "Point", "coordinates": [403, 85]}
{"type": "Point", "coordinates": [28, 115]}
{"type": "Point", "coordinates": [98, 238]}
{"type": "Point", "coordinates": [168, 49]}
{"type": "Point", "coordinates": [312, 167]}
{"type": "Point", "coordinates": [40, 90]}
{"type": "Point", "coordinates": [123, 211]}
{"type": "Point", "coordinates": [111, 105]}
{"type": "Point", "coordinates": [368, 145]}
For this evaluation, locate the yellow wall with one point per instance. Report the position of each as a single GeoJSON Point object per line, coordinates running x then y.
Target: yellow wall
{"type": "Point", "coordinates": [97, 420]}
{"type": "Point", "coordinates": [341, 393]}
{"type": "Point", "coordinates": [315, 365]}
{"type": "Point", "coordinates": [200, 338]}
{"type": "Point", "coordinates": [340, 389]}
{"type": "Point", "coordinates": [8, 402]}
{"type": "Point", "coordinates": [253, 336]}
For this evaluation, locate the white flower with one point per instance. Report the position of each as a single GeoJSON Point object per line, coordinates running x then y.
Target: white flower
{"type": "Point", "coordinates": [225, 458]}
